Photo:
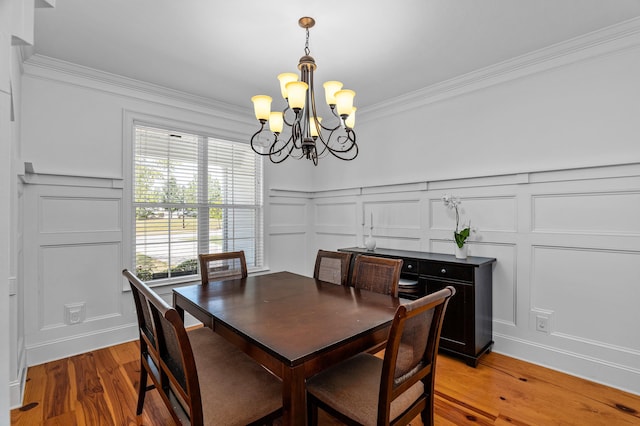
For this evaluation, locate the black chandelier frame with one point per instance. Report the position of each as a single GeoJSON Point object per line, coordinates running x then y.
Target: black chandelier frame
{"type": "Point", "coordinates": [340, 140]}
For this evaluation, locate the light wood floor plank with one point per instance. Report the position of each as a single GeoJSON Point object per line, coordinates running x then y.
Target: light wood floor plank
{"type": "Point", "coordinates": [57, 394]}
{"type": "Point", "coordinates": [100, 388]}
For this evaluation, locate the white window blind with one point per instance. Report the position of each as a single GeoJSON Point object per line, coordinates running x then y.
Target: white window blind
{"type": "Point", "coordinates": [193, 194]}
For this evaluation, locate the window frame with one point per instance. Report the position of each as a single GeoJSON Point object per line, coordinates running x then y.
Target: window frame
{"type": "Point", "coordinates": [133, 119]}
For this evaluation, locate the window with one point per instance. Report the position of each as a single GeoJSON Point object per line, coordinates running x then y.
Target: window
{"type": "Point", "coordinates": [193, 194]}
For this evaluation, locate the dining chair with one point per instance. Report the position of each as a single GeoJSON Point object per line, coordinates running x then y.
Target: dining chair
{"type": "Point", "coordinates": [222, 266]}
{"type": "Point", "coordinates": [332, 266]}
{"type": "Point", "coordinates": [367, 390]}
{"type": "Point", "coordinates": [202, 378]}
{"type": "Point", "coordinates": [377, 274]}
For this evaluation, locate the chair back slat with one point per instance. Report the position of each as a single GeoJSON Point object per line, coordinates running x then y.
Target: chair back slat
{"type": "Point", "coordinates": [332, 266]}
{"type": "Point", "coordinates": [222, 266]}
{"type": "Point", "coordinates": [412, 346]}
{"type": "Point", "coordinates": [377, 274]}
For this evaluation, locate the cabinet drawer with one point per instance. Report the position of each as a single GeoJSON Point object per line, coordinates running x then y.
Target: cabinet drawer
{"type": "Point", "coordinates": [448, 270]}
{"type": "Point", "coordinates": [410, 266]}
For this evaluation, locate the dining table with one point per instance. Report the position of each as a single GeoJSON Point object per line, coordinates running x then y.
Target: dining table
{"type": "Point", "coordinates": [294, 325]}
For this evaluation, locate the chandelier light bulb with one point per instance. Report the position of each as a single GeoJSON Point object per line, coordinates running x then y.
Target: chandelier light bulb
{"type": "Point", "coordinates": [296, 92]}
{"type": "Point", "coordinates": [276, 121]}
{"type": "Point", "coordinates": [344, 102]}
{"type": "Point", "coordinates": [261, 107]}
{"type": "Point", "coordinates": [350, 121]}
{"type": "Point", "coordinates": [313, 129]}
{"type": "Point", "coordinates": [284, 78]}
{"type": "Point", "coordinates": [330, 89]}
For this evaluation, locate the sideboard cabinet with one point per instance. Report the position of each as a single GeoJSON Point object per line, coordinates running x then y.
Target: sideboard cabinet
{"type": "Point", "coordinates": [467, 331]}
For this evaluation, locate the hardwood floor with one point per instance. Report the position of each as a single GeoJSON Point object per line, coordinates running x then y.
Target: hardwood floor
{"type": "Point", "coordinates": [99, 388]}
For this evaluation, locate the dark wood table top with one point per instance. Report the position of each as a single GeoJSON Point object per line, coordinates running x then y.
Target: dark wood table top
{"type": "Point", "coordinates": [291, 317]}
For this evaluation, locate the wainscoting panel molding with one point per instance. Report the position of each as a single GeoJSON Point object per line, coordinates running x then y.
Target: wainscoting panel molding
{"type": "Point", "coordinates": [78, 274]}
{"type": "Point", "coordinates": [562, 281]}
{"type": "Point", "coordinates": [588, 213]}
{"type": "Point", "coordinates": [394, 218]}
{"type": "Point", "coordinates": [337, 218]}
{"type": "Point", "coordinates": [567, 244]}
{"type": "Point", "coordinates": [288, 214]}
{"type": "Point", "coordinates": [62, 214]}
{"type": "Point", "coordinates": [72, 269]}
{"type": "Point", "coordinates": [498, 214]}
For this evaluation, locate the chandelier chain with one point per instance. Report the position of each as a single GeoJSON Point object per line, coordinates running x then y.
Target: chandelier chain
{"type": "Point", "coordinates": [306, 44]}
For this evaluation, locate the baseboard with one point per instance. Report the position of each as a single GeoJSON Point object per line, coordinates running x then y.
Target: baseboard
{"type": "Point", "coordinates": [74, 345]}
{"type": "Point", "coordinates": [16, 389]}
{"type": "Point", "coordinates": [622, 377]}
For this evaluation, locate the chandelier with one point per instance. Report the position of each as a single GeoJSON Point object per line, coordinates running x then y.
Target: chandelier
{"type": "Point", "coordinates": [298, 131]}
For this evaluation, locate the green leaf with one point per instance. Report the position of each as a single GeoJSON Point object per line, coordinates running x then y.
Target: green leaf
{"type": "Point", "coordinates": [462, 236]}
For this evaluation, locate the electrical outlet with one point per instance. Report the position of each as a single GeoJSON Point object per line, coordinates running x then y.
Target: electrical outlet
{"type": "Point", "coordinates": [74, 313]}
{"type": "Point", "coordinates": [542, 324]}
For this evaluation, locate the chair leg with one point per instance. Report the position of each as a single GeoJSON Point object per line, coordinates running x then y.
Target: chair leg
{"type": "Point", "coordinates": [427, 415]}
{"type": "Point", "coordinates": [142, 388]}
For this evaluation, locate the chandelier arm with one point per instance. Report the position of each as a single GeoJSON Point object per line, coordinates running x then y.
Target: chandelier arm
{"type": "Point", "coordinates": [274, 151]}
{"type": "Point", "coordinates": [277, 160]}
{"type": "Point", "coordinates": [353, 147]}
{"type": "Point", "coordinates": [350, 136]}
{"type": "Point", "coordinates": [284, 116]}
{"type": "Point", "coordinates": [331, 129]}
{"type": "Point", "coordinates": [341, 140]}
{"type": "Point", "coordinates": [292, 152]}
{"type": "Point", "coordinates": [253, 138]}
{"type": "Point", "coordinates": [296, 133]}
{"type": "Point", "coordinates": [336, 115]}
{"type": "Point", "coordinates": [274, 155]}
{"type": "Point", "coordinates": [326, 143]}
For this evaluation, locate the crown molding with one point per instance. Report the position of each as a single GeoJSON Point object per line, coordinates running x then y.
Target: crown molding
{"type": "Point", "coordinates": [609, 40]}
{"type": "Point", "coordinates": [36, 65]}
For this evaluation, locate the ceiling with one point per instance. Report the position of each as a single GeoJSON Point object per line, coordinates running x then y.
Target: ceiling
{"type": "Point", "coordinates": [231, 50]}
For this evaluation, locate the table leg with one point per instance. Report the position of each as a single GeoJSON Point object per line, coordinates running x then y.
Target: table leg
{"type": "Point", "coordinates": [179, 309]}
{"type": "Point", "coordinates": [294, 397]}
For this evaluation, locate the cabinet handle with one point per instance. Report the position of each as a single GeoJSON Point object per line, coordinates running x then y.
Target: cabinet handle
{"type": "Point", "coordinates": [443, 271]}
{"type": "Point", "coordinates": [409, 266]}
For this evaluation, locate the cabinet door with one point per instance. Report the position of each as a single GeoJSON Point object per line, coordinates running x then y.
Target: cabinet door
{"type": "Point", "coordinates": [457, 328]}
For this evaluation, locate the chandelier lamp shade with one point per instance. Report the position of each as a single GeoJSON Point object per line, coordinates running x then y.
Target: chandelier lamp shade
{"type": "Point", "coordinates": [298, 131]}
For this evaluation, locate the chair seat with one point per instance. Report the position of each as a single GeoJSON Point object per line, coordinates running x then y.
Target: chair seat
{"type": "Point", "coordinates": [240, 389]}
{"type": "Point", "coordinates": [352, 388]}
